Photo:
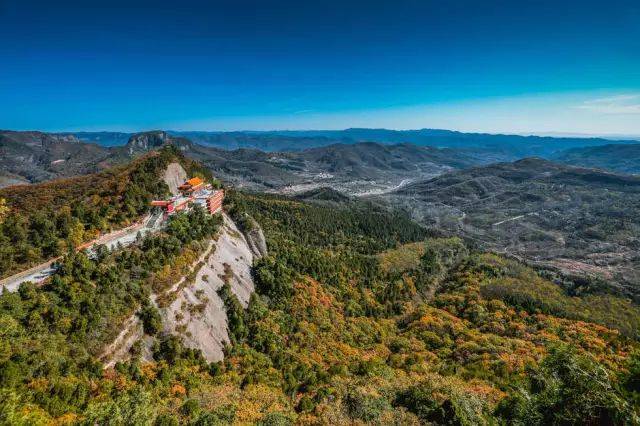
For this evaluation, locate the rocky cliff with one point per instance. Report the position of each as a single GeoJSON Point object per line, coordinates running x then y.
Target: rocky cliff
{"type": "Point", "coordinates": [195, 312]}
{"type": "Point", "coordinates": [146, 141]}
{"type": "Point", "coordinates": [254, 235]}
{"type": "Point", "coordinates": [174, 176]}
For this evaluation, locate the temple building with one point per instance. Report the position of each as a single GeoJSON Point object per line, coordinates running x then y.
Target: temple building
{"type": "Point", "coordinates": [193, 191]}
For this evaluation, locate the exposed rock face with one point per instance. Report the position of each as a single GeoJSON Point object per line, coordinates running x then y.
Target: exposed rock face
{"type": "Point", "coordinates": [174, 176]}
{"type": "Point", "coordinates": [198, 314]}
{"type": "Point", "coordinates": [142, 142]}
{"type": "Point", "coordinates": [65, 138]}
{"type": "Point", "coordinates": [255, 237]}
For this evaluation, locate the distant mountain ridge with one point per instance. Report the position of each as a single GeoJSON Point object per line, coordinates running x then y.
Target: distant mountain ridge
{"type": "Point", "coordinates": [103, 138]}
{"type": "Point", "coordinates": [509, 147]}
{"type": "Point", "coordinates": [617, 157]}
{"type": "Point", "coordinates": [496, 147]}
{"type": "Point", "coordinates": [36, 156]}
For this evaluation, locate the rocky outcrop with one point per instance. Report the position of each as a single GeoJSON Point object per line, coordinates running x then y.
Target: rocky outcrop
{"type": "Point", "coordinates": [252, 232]}
{"type": "Point", "coordinates": [197, 314]}
{"type": "Point", "coordinates": [146, 141]}
{"type": "Point", "coordinates": [64, 138]}
{"type": "Point", "coordinates": [143, 142]}
{"type": "Point", "coordinates": [174, 176]}
{"type": "Point", "coordinates": [192, 308]}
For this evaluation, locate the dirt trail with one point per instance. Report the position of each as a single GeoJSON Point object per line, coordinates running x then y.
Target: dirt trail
{"type": "Point", "coordinates": [118, 350]}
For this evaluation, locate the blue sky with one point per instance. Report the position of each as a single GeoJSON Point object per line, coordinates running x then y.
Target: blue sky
{"type": "Point", "coordinates": [493, 66]}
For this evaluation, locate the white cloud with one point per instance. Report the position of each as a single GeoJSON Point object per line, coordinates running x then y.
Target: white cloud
{"type": "Point", "coordinates": [619, 104]}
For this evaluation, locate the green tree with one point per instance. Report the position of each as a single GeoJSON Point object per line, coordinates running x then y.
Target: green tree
{"type": "Point", "coordinates": [151, 319]}
{"type": "Point", "coordinates": [568, 389]}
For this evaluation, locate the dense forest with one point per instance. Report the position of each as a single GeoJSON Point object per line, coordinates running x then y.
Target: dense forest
{"type": "Point", "coordinates": [51, 336]}
{"type": "Point", "coordinates": [360, 316]}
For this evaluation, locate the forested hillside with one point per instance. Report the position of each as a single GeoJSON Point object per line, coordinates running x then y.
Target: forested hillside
{"type": "Point", "coordinates": [47, 220]}
{"type": "Point", "coordinates": [359, 317]}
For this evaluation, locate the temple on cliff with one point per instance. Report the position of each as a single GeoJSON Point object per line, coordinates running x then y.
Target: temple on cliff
{"type": "Point", "coordinates": [193, 191]}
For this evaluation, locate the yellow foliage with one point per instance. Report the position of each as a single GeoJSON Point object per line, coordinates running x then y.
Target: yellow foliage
{"type": "Point", "coordinates": [149, 370]}
{"type": "Point", "coordinates": [66, 419]}
{"type": "Point", "coordinates": [403, 258]}
{"type": "Point", "coordinates": [178, 389]}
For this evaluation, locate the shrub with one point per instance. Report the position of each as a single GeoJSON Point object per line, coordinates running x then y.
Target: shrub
{"type": "Point", "coordinates": [151, 320]}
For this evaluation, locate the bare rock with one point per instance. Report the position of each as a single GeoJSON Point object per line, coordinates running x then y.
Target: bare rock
{"type": "Point", "coordinates": [254, 235]}
{"type": "Point", "coordinates": [174, 176]}
{"type": "Point", "coordinates": [197, 314]}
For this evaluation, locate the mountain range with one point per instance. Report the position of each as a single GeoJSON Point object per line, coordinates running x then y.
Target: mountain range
{"type": "Point", "coordinates": [35, 156]}
{"type": "Point", "coordinates": [468, 293]}
{"type": "Point", "coordinates": [292, 158]}
{"type": "Point", "coordinates": [621, 158]}
{"type": "Point", "coordinates": [578, 222]}
{"type": "Point", "coordinates": [503, 147]}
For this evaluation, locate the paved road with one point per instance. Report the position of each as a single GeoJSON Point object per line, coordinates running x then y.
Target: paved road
{"type": "Point", "coordinates": [123, 237]}
{"type": "Point", "coordinates": [39, 275]}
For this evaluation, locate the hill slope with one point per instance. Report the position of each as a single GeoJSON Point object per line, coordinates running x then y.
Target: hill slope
{"type": "Point", "coordinates": [36, 156]}
{"type": "Point", "coordinates": [583, 222]}
{"type": "Point", "coordinates": [31, 157]}
{"type": "Point", "coordinates": [359, 317]}
{"type": "Point", "coordinates": [47, 219]}
{"type": "Point", "coordinates": [615, 157]}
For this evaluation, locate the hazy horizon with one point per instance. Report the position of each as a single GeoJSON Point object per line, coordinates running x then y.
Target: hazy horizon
{"type": "Point", "coordinates": [611, 136]}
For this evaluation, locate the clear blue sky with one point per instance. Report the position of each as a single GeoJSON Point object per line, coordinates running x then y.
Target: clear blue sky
{"type": "Point", "coordinates": [500, 66]}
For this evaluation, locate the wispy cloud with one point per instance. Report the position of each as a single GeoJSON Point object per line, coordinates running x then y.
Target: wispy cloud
{"type": "Point", "coordinates": [619, 104]}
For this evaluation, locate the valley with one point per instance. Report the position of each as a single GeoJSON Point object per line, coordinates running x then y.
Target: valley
{"type": "Point", "coordinates": [578, 222]}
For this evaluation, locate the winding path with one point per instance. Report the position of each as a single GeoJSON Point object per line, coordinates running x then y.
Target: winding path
{"type": "Point", "coordinates": [39, 273]}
